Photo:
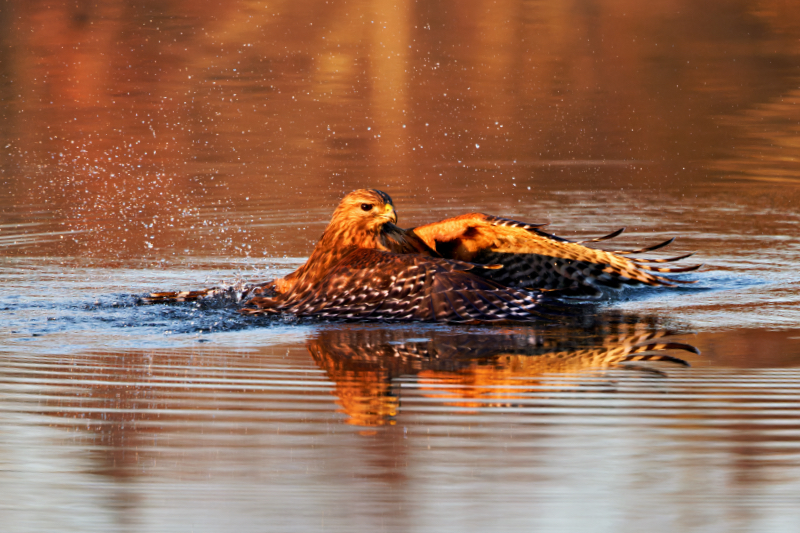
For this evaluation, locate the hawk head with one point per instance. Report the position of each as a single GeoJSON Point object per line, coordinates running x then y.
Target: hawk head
{"type": "Point", "coordinates": [364, 210]}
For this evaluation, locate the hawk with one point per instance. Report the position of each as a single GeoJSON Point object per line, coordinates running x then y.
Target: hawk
{"type": "Point", "coordinates": [471, 268]}
{"type": "Point", "coordinates": [481, 367]}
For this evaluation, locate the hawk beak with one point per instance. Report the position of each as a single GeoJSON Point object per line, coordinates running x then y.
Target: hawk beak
{"type": "Point", "coordinates": [390, 213]}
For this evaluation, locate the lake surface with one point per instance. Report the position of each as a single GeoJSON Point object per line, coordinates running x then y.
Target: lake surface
{"type": "Point", "coordinates": [176, 145]}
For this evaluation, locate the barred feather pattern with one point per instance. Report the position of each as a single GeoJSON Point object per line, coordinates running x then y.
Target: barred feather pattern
{"type": "Point", "coordinates": [533, 258]}
{"type": "Point", "coordinates": [564, 273]}
{"type": "Point", "coordinates": [377, 285]}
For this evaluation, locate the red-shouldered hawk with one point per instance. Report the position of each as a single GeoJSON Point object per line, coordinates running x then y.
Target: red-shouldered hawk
{"type": "Point", "coordinates": [473, 267]}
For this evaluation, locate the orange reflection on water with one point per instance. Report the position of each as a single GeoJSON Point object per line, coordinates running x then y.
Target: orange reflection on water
{"type": "Point", "coordinates": [129, 124]}
{"type": "Point", "coordinates": [478, 369]}
{"type": "Point", "coordinates": [140, 132]}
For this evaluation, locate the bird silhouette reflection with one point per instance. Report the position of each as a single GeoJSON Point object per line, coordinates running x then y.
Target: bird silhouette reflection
{"type": "Point", "coordinates": [478, 363]}
{"type": "Point", "coordinates": [139, 407]}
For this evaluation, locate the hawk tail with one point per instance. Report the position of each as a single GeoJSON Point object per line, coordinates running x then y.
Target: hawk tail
{"type": "Point", "coordinates": [235, 293]}
{"type": "Point", "coordinates": [181, 296]}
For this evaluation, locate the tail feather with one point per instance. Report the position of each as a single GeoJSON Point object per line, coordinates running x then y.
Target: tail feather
{"type": "Point", "coordinates": [180, 296]}
{"type": "Point", "coordinates": [236, 293]}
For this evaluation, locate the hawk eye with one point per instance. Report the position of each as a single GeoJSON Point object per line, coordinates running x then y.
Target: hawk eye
{"type": "Point", "coordinates": [366, 207]}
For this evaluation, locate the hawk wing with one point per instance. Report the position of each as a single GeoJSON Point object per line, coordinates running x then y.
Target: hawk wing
{"type": "Point", "coordinates": [532, 258]}
{"type": "Point", "coordinates": [376, 285]}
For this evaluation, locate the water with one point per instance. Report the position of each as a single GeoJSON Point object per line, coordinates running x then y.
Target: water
{"type": "Point", "coordinates": [182, 145]}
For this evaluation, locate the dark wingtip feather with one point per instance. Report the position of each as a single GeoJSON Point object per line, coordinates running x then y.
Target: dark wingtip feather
{"type": "Point", "coordinates": [658, 357]}
{"type": "Point", "coordinates": [604, 237]}
{"type": "Point", "coordinates": [639, 352]}
{"type": "Point", "coordinates": [681, 346]}
{"type": "Point", "coordinates": [671, 270]}
{"type": "Point", "coordinates": [645, 249]}
{"type": "Point", "coordinates": [666, 260]}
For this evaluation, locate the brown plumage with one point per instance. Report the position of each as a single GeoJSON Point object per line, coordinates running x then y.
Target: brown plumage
{"type": "Point", "coordinates": [474, 267]}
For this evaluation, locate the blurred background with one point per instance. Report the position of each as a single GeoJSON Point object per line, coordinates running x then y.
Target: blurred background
{"type": "Point", "coordinates": [139, 128]}
{"type": "Point", "coordinates": [172, 144]}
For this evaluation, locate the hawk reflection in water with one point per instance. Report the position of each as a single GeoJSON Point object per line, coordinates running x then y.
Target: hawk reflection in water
{"type": "Point", "coordinates": [481, 368]}
{"type": "Point", "coordinates": [206, 393]}
{"type": "Point", "coordinates": [473, 267]}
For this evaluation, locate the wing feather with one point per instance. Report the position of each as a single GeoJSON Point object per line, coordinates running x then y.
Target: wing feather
{"type": "Point", "coordinates": [533, 258]}
{"type": "Point", "coordinates": [604, 237]}
{"type": "Point", "coordinates": [376, 285]}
